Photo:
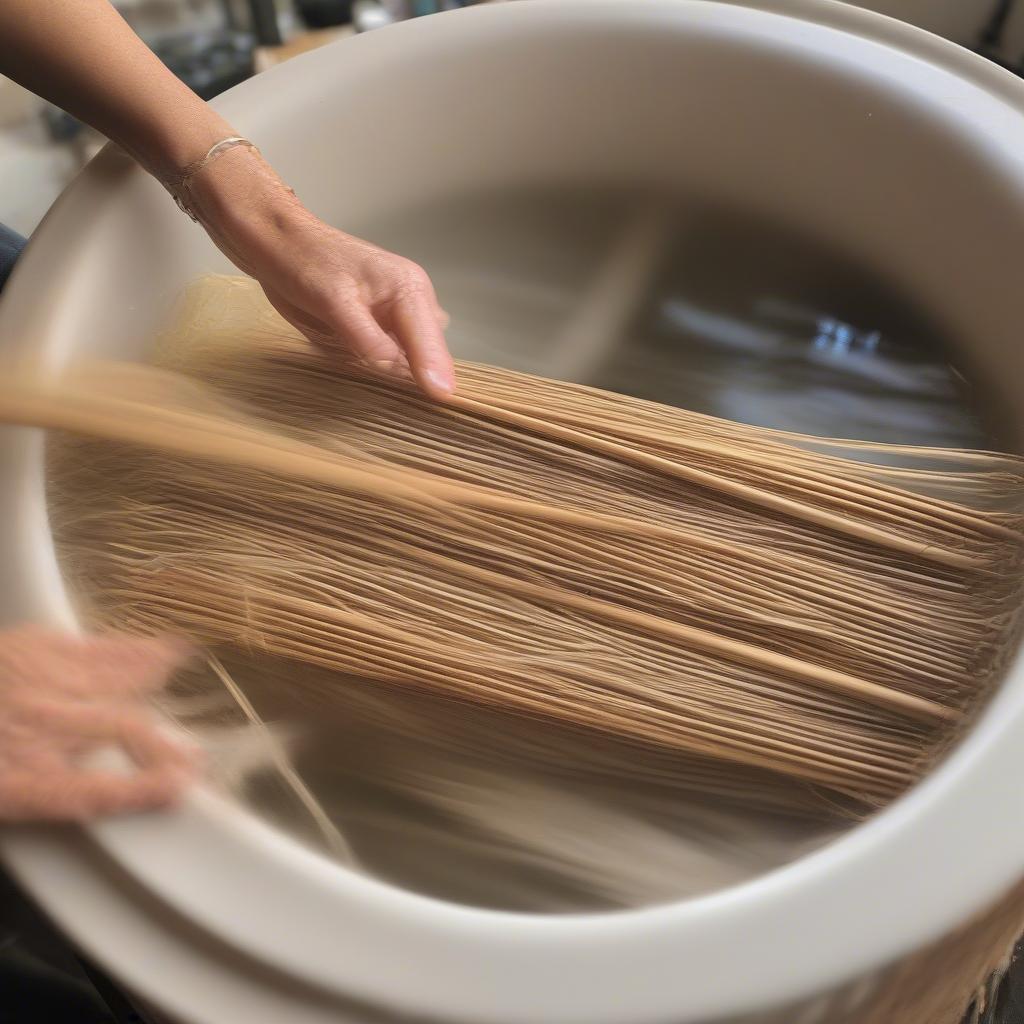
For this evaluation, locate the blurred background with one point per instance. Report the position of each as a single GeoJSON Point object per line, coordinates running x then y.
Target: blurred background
{"type": "Point", "coordinates": [214, 44]}
{"type": "Point", "coordinates": [210, 44]}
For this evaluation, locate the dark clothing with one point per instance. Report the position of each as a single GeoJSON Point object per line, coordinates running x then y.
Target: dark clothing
{"type": "Point", "coordinates": [11, 245]}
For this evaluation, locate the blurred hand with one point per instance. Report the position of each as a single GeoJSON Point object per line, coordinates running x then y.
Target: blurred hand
{"type": "Point", "coordinates": [61, 698]}
{"type": "Point", "coordinates": [340, 291]}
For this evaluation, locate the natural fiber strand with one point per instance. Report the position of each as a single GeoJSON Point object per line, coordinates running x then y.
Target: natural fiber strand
{"type": "Point", "coordinates": [336, 842]}
{"type": "Point", "coordinates": [683, 582]}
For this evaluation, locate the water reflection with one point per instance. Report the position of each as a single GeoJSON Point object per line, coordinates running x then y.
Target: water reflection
{"type": "Point", "coordinates": [694, 306]}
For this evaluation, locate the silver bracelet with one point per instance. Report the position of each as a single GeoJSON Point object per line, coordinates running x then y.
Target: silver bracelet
{"type": "Point", "coordinates": [178, 186]}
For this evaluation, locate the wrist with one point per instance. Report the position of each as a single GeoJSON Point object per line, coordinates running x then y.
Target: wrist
{"type": "Point", "coordinates": [239, 194]}
{"type": "Point", "coordinates": [165, 150]}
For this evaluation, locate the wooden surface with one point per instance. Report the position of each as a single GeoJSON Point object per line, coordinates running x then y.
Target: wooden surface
{"type": "Point", "coordinates": [269, 56]}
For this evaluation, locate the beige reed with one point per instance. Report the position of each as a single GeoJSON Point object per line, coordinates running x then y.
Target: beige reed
{"type": "Point", "coordinates": [825, 611]}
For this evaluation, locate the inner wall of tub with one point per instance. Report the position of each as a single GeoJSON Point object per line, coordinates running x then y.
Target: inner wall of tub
{"type": "Point", "coordinates": [726, 313]}
{"type": "Point", "coordinates": [680, 302]}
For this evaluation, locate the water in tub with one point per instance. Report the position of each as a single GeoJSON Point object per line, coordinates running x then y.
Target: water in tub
{"type": "Point", "coordinates": [680, 303]}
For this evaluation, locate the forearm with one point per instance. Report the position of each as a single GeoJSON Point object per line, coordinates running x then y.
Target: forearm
{"type": "Point", "coordinates": [82, 56]}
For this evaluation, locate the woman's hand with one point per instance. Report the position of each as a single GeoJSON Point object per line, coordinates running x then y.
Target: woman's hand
{"type": "Point", "coordinates": [341, 292]}
{"type": "Point", "coordinates": [62, 698]}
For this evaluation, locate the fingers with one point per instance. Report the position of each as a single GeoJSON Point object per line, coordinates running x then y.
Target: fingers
{"type": "Point", "coordinates": [336, 288]}
{"type": "Point", "coordinates": [49, 785]}
{"type": "Point", "coordinates": [315, 330]}
{"type": "Point", "coordinates": [73, 795]}
{"type": "Point", "coordinates": [415, 319]}
{"type": "Point", "coordinates": [86, 726]}
{"type": "Point", "coordinates": [351, 324]}
{"type": "Point", "coordinates": [110, 665]}
{"type": "Point", "coordinates": [119, 666]}
{"type": "Point", "coordinates": [55, 707]}
{"type": "Point", "coordinates": [368, 340]}
{"type": "Point", "coordinates": [151, 749]}
{"type": "Point", "coordinates": [386, 314]}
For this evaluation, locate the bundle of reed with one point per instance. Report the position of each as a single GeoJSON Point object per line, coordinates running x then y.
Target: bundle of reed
{"type": "Point", "coordinates": [822, 610]}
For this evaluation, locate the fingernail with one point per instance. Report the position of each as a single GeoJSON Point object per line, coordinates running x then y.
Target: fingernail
{"type": "Point", "coordinates": [440, 382]}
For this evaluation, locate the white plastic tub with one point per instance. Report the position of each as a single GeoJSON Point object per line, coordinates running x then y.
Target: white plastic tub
{"type": "Point", "coordinates": [901, 149]}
